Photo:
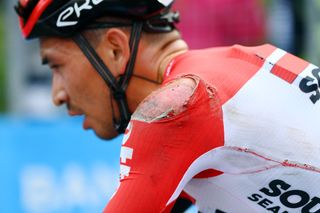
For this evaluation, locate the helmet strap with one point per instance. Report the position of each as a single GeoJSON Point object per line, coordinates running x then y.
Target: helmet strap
{"type": "Point", "coordinates": [117, 88]}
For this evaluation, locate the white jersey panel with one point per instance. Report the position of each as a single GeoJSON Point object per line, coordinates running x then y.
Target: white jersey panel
{"type": "Point", "coordinates": [274, 118]}
{"type": "Point", "coordinates": [271, 157]}
{"type": "Point", "coordinates": [274, 190]}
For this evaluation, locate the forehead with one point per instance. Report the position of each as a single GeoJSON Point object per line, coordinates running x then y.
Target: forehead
{"type": "Point", "coordinates": [56, 46]}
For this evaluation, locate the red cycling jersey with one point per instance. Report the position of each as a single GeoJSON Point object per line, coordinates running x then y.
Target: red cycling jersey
{"type": "Point", "coordinates": [246, 140]}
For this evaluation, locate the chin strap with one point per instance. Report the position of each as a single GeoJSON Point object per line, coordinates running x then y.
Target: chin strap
{"type": "Point", "coordinates": [118, 88]}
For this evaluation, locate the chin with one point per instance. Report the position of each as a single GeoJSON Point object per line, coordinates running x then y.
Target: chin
{"type": "Point", "coordinates": [106, 135]}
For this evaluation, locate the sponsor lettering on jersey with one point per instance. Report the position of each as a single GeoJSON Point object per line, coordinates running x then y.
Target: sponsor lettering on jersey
{"type": "Point", "coordinates": [311, 85]}
{"type": "Point", "coordinates": [290, 68]}
{"type": "Point", "coordinates": [288, 198]}
{"type": "Point", "coordinates": [126, 153]}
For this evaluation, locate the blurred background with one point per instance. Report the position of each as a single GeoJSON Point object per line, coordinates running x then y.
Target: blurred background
{"type": "Point", "coordinates": [49, 164]}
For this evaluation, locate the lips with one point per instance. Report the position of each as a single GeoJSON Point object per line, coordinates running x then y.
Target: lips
{"type": "Point", "coordinates": [85, 124]}
{"type": "Point", "coordinates": [74, 113]}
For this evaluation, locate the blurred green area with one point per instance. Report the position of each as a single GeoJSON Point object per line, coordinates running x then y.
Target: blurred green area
{"type": "Point", "coordinates": [3, 60]}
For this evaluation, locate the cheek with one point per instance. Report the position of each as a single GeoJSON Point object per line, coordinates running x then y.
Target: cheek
{"type": "Point", "coordinates": [74, 82]}
{"type": "Point", "coordinates": [77, 75]}
{"type": "Point", "coordinates": [86, 85]}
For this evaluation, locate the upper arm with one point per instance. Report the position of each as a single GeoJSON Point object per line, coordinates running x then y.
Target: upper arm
{"type": "Point", "coordinates": [166, 135]}
{"type": "Point", "coordinates": [170, 100]}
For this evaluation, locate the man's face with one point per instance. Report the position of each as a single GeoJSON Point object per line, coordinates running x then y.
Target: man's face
{"type": "Point", "coordinates": [76, 84]}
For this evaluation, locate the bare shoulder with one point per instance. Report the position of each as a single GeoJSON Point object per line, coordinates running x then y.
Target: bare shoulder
{"type": "Point", "coordinates": [169, 100]}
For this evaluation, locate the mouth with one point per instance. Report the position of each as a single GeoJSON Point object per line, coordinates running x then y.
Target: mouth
{"type": "Point", "coordinates": [85, 124]}
{"type": "Point", "coordinates": [73, 113]}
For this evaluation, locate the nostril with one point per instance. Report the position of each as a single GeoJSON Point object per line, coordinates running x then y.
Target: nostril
{"type": "Point", "coordinates": [60, 102]}
{"type": "Point", "coordinates": [60, 98]}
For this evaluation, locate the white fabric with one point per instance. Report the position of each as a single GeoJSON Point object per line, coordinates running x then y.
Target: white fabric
{"type": "Point", "coordinates": [270, 137]}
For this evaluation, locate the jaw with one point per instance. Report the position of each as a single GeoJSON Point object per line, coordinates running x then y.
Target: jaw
{"type": "Point", "coordinates": [103, 129]}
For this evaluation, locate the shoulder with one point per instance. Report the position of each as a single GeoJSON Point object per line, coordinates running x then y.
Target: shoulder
{"type": "Point", "coordinates": [171, 99]}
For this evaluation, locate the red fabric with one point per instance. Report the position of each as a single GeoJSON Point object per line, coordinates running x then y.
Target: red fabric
{"type": "Point", "coordinates": [187, 196]}
{"type": "Point", "coordinates": [227, 69]}
{"type": "Point", "coordinates": [289, 67]}
{"type": "Point", "coordinates": [162, 151]}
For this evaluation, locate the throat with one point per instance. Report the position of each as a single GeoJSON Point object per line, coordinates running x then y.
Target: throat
{"type": "Point", "coordinates": [172, 50]}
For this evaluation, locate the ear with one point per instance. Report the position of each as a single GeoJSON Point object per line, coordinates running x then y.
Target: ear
{"type": "Point", "coordinates": [115, 50]}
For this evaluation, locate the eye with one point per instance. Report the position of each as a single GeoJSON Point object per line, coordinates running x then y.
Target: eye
{"type": "Point", "coordinates": [54, 66]}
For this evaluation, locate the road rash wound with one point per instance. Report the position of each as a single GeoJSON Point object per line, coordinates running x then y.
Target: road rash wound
{"type": "Point", "coordinates": [168, 101]}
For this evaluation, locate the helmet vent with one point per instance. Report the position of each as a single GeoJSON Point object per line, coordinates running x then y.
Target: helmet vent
{"type": "Point", "coordinates": [24, 8]}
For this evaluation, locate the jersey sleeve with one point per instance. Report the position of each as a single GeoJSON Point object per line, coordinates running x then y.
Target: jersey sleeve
{"type": "Point", "coordinates": [157, 155]}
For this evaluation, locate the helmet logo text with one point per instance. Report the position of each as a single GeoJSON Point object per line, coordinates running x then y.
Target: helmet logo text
{"type": "Point", "coordinates": [64, 17]}
{"type": "Point", "coordinates": [166, 3]}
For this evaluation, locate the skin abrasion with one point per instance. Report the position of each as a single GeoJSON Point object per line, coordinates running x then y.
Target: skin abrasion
{"type": "Point", "coordinates": [168, 101]}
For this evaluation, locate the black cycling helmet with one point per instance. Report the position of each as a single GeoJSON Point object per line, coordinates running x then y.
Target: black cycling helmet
{"type": "Point", "coordinates": [68, 18]}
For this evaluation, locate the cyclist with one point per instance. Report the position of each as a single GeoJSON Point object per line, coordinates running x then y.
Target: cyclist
{"type": "Point", "coordinates": [233, 128]}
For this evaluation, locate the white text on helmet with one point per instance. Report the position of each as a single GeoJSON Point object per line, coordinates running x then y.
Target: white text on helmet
{"type": "Point", "coordinates": [166, 3]}
{"type": "Point", "coordinates": [67, 13]}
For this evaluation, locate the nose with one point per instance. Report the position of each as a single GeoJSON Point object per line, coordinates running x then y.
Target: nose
{"type": "Point", "coordinates": [59, 94]}
{"type": "Point", "coordinates": [60, 97]}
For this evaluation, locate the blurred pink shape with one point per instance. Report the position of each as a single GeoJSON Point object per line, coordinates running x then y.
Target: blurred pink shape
{"type": "Point", "coordinates": [207, 23]}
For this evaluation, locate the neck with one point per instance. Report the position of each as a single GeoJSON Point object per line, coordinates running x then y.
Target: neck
{"type": "Point", "coordinates": [156, 52]}
{"type": "Point", "coordinates": [172, 50]}
{"type": "Point", "coordinates": [152, 60]}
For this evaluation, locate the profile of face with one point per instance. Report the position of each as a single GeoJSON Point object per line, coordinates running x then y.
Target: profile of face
{"type": "Point", "coordinates": [76, 84]}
